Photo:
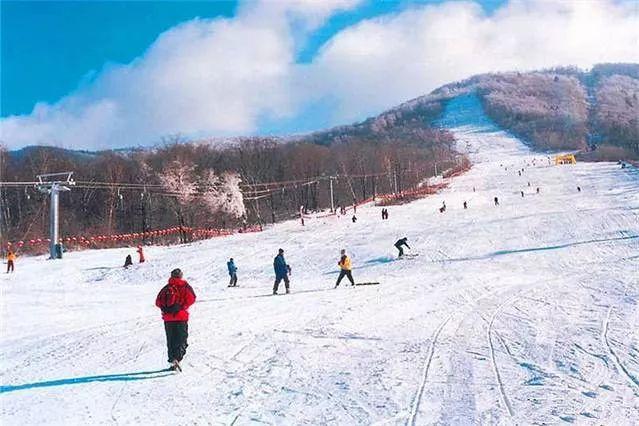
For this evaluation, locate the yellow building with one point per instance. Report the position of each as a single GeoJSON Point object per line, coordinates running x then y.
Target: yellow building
{"type": "Point", "coordinates": [565, 159]}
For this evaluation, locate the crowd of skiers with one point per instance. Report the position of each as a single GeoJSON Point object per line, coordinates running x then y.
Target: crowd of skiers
{"type": "Point", "coordinates": [175, 298]}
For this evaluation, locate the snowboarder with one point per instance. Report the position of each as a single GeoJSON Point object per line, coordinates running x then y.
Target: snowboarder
{"type": "Point", "coordinates": [345, 268]}
{"type": "Point", "coordinates": [522, 194]}
{"type": "Point", "coordinates": [579, 189]}
{"type": "Point", "coordinates": [11, 258]}
{"type": "Point", "coordinates": [174, 300]}
{"type": "Point", "coordinates": [281, 271]}
{"type": "Point", "coordinates": [398, 245]}
{"type": "Point", "coordinates": [128, 261]}
{"type": "Point", "coordinates": [465, 205]}
{"type": "Point", "coordinates": [354, 219]}
{"type": "Point", "coordinates": [442, 209]}
{"type": "Point", "coordinates": [232, 272]}
{"type": "Point", "coordinates": [140, 254]}
{"type": "Point", "coordinates": [496, 201]}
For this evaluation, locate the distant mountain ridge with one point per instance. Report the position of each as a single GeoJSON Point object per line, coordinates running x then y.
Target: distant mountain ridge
{"type": "Point", "coordinates": [561, 108]}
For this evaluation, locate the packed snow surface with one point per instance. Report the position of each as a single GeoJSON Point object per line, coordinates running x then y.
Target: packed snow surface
{"type": "Point", "coordinates": [522, 313]}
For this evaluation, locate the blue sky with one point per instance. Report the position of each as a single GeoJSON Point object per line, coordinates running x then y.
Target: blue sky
{"type": "Point", "coordinates": [275, 67]}
{"type": "Point", "coordinates": [50, 47]}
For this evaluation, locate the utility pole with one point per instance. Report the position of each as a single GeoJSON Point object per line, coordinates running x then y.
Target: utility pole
{"type": "Point", "coordinates": [53, 183]}
{"type": "Point", "coordinates": [330, 179]}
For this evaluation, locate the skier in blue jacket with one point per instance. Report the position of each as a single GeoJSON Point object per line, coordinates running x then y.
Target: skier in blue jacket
{"type": "Point", "coordinates": [232, 272]}
{"type": "Point", "coordinates": [281, 271]}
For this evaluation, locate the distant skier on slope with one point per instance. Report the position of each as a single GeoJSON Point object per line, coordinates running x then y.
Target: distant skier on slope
{"type": "Point", "coordinates": [465, 205]}
{"type": "Point", "coordinates": [11, 259]}
{"type": "Point", "coordinates": [128, 261]}
{"type": "Point", "coordinates": [282, 269]}
{"type": "Point", "coordinates": [174, 300]}
{"type": "Point", "coordinates": [140, 254]}
{"type": "Point", "coordinates": [345, 268]}
{"type": "Point", "coordinates": [398, 245]}
{"type": "Point", "coordinates": [496, 201]}
{"type": "Point", "coordinates": [230, 265]}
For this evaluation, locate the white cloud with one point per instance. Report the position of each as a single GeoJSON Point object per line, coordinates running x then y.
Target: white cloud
{"type": "Point", "coordinates": [220, 77]}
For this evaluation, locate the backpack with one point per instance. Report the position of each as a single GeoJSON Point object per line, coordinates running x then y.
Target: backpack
{"type": "Point", "coordinates": [169, 299]}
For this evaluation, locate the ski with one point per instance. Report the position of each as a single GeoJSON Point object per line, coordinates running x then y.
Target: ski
{"type": "Point", "coordinates": [368, 283]}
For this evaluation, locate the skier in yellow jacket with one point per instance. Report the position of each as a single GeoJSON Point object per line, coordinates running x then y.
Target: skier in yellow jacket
{"type": "Point", "coordinates": [345, 268]}
{"type": "Point", "coordinates": [11, 258]}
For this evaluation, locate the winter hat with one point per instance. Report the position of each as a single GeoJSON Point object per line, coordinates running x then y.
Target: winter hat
{"type": "Point", "coordinates": [176, 273]}
{"type": "Point", "coordinates": [281, 251]}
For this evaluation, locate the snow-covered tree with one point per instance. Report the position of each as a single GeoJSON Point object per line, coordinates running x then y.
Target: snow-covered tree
{"type": "Point", "coordinates": [178, 178]}
{"type": "Point", "coordinates": [223, 194]}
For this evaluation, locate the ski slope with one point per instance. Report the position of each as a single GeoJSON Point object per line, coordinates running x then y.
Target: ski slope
{"type": "Point", "coordinates": [523, 313]}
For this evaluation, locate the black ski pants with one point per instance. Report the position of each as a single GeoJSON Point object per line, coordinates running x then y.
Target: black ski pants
{"type": "Point", "coordinates": [176, 334]}
{"type": "Point", "coordinates": [278, 279]}
{"type": "Point", "coordinates": [345, 273]}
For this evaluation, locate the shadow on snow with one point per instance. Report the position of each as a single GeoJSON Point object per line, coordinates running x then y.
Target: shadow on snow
{"type": "Point", "coordinates": [534, 249]}
{"type": "Point", "coordinates": [122, 377]}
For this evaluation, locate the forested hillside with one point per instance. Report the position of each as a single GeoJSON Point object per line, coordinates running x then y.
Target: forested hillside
{"type": "Point", "coordinates": [596, 112]}
{"type": "Point", "coordinates": [200, 184]}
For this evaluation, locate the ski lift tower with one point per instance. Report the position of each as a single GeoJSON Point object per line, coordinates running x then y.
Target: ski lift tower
{"type": "Point", "coordinates": [52, 184]}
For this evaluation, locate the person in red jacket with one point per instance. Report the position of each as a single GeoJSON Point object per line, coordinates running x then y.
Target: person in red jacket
{"type": "Point", "coordinates": [174, 300]}
{"type": "Point", "coordinates": [141, 254]}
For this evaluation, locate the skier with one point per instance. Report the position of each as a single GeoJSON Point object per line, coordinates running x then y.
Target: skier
{"type": "Point", "coordinates": [128, 261]}
{"type": "Point", "coordinates": [174, 300]}
{"type": "Point", "coordinates": [465, 205]}
{"type": "Point", "coordinates": [354, 219]}
{"type": "Point", "coordinates": [496, 201]}
{"type": "Point", "coordinates": [537, 190]}
{"type": "Point", "coordinates": [281, 271]}
{"type": "Point", "coordinates": [345, 268]}
{"type": "Point", "coordinates": [141, 254]}
{"type": "Point", "coordinates": [232, 272]}
{"type": "Point", "coordinates": [399, 244]}
{"type": "Point", "coordinates": [11, 258]}
{"type": "Point", "coordinates": [522, 194]}
{"type": "Point", "coordinates": [579, 189]}
{"type": "Point", "coordinates": [473, 189]}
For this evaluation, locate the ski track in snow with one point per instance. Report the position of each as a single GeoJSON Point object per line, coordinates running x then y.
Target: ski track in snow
{"type": "Point", "coordinates": [523, 313]}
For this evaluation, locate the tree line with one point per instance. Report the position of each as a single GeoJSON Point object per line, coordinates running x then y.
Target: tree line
{"type": "Point", "coordinates": [203, 185]}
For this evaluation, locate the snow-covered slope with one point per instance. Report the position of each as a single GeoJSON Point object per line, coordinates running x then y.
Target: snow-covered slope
{"type": "Point", "coordinates": [523, 313]}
